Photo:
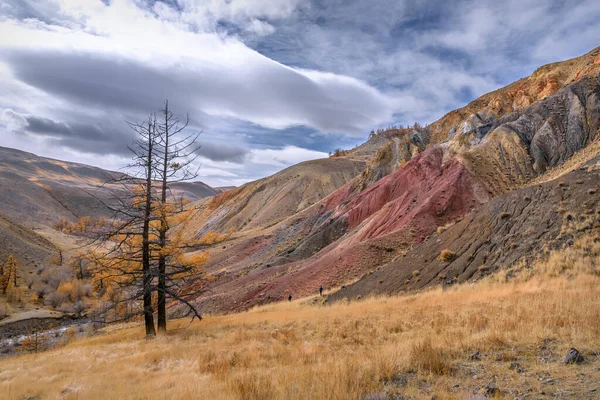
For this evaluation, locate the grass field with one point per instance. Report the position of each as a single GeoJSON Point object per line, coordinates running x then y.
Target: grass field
{"type": "Point", "coordinates": [410, 346]}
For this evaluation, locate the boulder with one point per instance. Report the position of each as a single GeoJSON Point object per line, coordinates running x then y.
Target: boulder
{"type": "Point", "coordinates": [573, 356]}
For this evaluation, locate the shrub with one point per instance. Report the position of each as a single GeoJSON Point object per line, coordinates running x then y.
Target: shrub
{"type": "Point", "coordinates": [212, 238]}
{"type": "Point", "coordinates": [56, 299]}
{"type": "Point", "coordinates": [13, 294]}
{"type": "Point", "coordinates": [426, 358]}
{"type": "Point", "coordinates": [447, 255]}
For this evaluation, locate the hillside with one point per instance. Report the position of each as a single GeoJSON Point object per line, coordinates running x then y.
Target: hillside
{"type": "Point", "coordinates": [516, 227]}
{"type": "Point", "coordinates": [35, 194]}
{"type": "Point", "coordinates": [31, 249]}
{"type": "Point", "coordinates": [492, 339]}
{"type": "Point", "coordinates": [38, 191]}
{"type": "Point", "coordinates": [414, 181]}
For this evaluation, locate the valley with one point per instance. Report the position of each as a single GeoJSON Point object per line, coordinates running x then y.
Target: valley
{"type": "Point", "coordinates": [455, 258]}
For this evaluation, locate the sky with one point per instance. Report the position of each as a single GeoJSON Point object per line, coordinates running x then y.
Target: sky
{"type": "Point", "coordinates": [269, 83]}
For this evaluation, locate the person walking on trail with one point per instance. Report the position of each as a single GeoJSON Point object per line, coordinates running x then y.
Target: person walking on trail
{"type": "Point", "coordinates": [290, 297]}
{"type": "Point", "coordinates": [321, 290]}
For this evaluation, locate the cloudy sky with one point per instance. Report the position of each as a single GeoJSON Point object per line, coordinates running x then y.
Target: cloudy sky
{"type": "Point", "coordinates": [269, 82]}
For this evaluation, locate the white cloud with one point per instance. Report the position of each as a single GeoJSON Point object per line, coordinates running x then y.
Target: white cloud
{"type": "Point", "coordinates": [260, 28]}
{"type": "Point", "coordinates": [238, 66]}
{"type": "Point", "coordinates": [13, 121]}
{"type": "Point", "coordinates": [227, 78]}
{"type": "Point", "coordinates": [284, 157]}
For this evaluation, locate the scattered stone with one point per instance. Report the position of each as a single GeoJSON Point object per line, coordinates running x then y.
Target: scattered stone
{"type": "Point", "coordinates": [573, 356]}
{"type": "Point", "coordinates": [491, 390]}
{"type": "Point", "coordinates": [517, 367]}
{"type": "Point", "coordinates": [591, 191]}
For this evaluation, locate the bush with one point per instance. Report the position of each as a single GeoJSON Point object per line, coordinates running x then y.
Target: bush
{"type": "Point", "coordinates": [212, 238]}
{"type": "Point", "coordinates": [80, 306]}
{"type": "Point", "coordinates": [56, 299]}
{"type": "Point", "coordinates": [53, 277]}
{"type": "Point", "coordinates": [14, 294]}
{"type": "Point", "coordinates": [426, 358]}
{"type": "Point", "coordinates": [447, 255]}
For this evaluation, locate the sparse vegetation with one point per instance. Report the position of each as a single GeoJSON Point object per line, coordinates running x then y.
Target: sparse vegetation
{"type": "Point", "coordinates": [211, 238]}
{"type": "Point", "coordinates": [9, 275]}
{"type": "Point", "coordinates": [447, 255]}
{"type": "Point", "coordinates": [405, 345]}
{"type": "Point", "coordinates": [82, 226]}
{"type": "Point", "coordinates": [442, 228]}
{"type": "Point", "coordinates": [338, 153]}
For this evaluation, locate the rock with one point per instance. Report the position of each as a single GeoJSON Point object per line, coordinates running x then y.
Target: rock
{"type": "Point", "coordinates": [573, 356]}
{"type": "Point", "coordinates": [475, 356]}
{"type": "Point", "coordinates": [517, 367]}
{"type": "Point", "coordinates": [491, 390]}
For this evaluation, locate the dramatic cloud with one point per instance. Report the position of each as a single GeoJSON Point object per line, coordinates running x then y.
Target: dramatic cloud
{"type": "Point", "coordinates": [223, 152]}
{"type": "Point", "coordinates": [287, 156]}
{"type": "Point", "coordinates": [270, 83]}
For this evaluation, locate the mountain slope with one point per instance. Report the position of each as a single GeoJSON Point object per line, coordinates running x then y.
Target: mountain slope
{"type": "Point", "coordinates": [417, 180]}
{"type": "Point", "coordinates": [516, 227]}
{"type": "Point", "coordinates": [29, 248]}
{"type": "Point", "coordinates": [38, 191]}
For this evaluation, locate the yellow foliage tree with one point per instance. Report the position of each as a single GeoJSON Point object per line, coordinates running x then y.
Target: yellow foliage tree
{"type": "Point", "coordinates": [8, 274]}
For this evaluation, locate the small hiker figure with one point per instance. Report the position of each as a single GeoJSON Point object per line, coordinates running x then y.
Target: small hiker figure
{"type": "Point", "coordinates": [321, 290]}
{"type": "Point", "coordinates": [290, 297]}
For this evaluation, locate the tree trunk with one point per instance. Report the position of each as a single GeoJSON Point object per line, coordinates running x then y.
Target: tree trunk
{"type": "Point", "coordinates": [162, 260]}
{"type": "Point", "coordinates": [146, 273]}
{"type": "Point", "coordinates": [80, 269]}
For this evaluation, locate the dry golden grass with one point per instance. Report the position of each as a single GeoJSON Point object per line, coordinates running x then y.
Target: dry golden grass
{"type": "Point", "coordinates": [416, 345]}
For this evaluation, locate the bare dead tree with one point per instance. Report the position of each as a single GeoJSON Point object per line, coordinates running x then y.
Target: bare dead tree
{"type": "Point", "coordinates": [144, 251]}
{"type": "Point", "coordinates": [177, 152]}
{"type": "Point", "coordinates": [124, 253]}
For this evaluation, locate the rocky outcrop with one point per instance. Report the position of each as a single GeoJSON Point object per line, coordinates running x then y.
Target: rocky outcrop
{"type": "Point", "coordinates": [510, 228]}
{"type": "Point", "coordinates": [416, 181]}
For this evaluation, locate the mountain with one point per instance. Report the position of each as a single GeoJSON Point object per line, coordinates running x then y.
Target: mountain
{"type": "Point", "coordinates": [289, 236]}
{"type": "Point", "coordinates": [513, 228]}
{"type": "Point", "coordinates": [375, 218]}
{"type": "Point", "coordinates": [38, 191]}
